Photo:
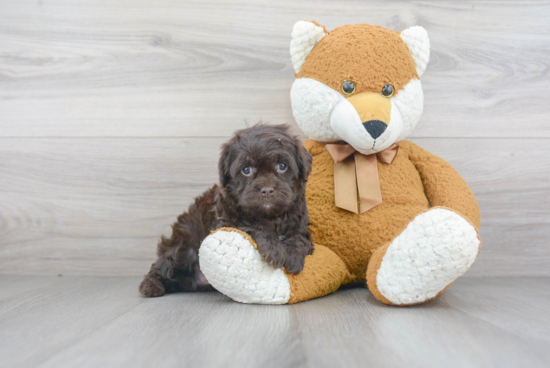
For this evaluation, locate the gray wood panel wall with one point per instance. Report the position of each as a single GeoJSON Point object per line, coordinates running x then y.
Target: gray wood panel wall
{"type": "Point", "coordinates": [112, 114]}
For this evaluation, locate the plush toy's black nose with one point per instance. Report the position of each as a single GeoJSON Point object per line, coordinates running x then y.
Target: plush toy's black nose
{"type": "Point", "coordinates": [375, 127]}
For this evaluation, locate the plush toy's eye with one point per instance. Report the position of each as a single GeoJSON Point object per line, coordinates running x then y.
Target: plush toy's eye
{"type": "Point", "coordinates": [247, 171]}
{"type": "Point", "coordinates": [282, 167]}
{"type": "Point", "coordinates": [348, 87]}
{"type": "Point", "coordinates": [387, 91]}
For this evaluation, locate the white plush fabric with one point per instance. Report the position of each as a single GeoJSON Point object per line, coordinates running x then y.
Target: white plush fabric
{"type": "Point", "coordinates": [304, 37]}
{"type": "Point", "coordinates": [232, 265]}
{"type": "Point", "coordinates": [437, 247]}
{"type": "Point", "coordinates": [312, 103]}
{"type": "Point", "coordinates": [418, 42]}
{"type": "Point", "coordinates": [410, 103]}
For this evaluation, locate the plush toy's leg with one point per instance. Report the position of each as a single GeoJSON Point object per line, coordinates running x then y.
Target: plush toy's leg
{"type": "Point", "coordinates": [435, 249]}
{"type": "Point", "coordinates": [231, 263]}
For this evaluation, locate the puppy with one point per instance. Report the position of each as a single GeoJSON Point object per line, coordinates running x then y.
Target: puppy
{"type": "Point", "coordinates": [263, 171]}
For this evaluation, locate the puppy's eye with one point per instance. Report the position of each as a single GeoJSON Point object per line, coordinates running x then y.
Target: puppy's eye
{"type": "Point", "coordinates": [282, 167]}
{"type": "Point", "coordinates": [247, 171]}
{"type": "Point", "coordinates": [387, 90]}
{"type": "Point", "coordinates": [348, 87]}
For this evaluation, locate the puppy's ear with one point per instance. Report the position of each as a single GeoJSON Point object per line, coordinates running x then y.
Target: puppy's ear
{"type": "Point", "coordinates": [224, 164]}
{"type": "Point", "coordinates": [303, 159]}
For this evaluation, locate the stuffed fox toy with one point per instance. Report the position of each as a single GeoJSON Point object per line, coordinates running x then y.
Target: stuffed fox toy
{"type": "Point", "coordinates": [383, 211]}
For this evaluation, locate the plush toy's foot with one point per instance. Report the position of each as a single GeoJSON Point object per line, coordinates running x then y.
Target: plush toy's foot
{"type": "Point", "coordinates": [232, 265]}
{"type": "Point", "coordinates": [230, 262]}
{"type": "Point", "coordinates": [436, 248]}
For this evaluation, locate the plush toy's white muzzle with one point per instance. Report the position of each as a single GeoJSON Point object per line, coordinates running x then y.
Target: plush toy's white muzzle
{"type": "Point", "coordinates": [346, 122]}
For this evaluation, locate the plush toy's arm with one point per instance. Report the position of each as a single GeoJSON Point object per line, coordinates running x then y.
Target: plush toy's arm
{"type": "Point", "coordinates": [442, 184]}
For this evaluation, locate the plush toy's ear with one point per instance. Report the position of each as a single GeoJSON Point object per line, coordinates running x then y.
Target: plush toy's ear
{"type": "Point", "coordinates": [419, 45]}
{"type": "Point", "coordinates": [305, 35]}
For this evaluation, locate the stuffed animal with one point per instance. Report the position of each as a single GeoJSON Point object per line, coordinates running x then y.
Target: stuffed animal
{"type": "Point", "coordinates": [383, 211]}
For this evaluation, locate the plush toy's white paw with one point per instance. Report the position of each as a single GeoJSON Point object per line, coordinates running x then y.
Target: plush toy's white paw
{"type": "Point", "coordinates": [437, 247]}
{"type": "Point", "coordinates": [232, 265]}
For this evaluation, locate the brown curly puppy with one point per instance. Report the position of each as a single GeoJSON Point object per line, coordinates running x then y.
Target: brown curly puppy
{"type": "Point", "coordinates": [263, 172]}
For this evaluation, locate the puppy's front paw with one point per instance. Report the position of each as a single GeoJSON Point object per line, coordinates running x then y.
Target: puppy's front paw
{"type": "Point", "coordinates": [273, 253]}
{"type": "Point", "coordinates": [294, 263]}
{"type": "Point", "coordinates": [297, 248]}
{"type": "Point", "coordinates": [151, 287]}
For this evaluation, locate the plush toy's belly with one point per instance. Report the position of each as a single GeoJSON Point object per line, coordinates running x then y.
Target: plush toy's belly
{"type": "Point", "coordinates": [354, 237]}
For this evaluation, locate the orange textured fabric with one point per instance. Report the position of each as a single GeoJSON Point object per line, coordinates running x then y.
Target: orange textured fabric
{"type": "Point", "coordinates": [406, 192]}
{"type": "Point", "coordinates": [370, 56]}
{"type": "Point", "coordinates": [355, 237]}
{"type": "Point", "coordinates": [323, 274]}
{"type": "Point", "coordinates": [444, 186]}
{"type": "Point", "coordinates": [372, 271]}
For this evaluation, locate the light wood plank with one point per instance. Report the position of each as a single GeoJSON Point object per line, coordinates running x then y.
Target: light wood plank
{"type": "Point", "coordinates": [442, 333]}
{"type": "Point", "coordinates": [196, 68]}
{"type": "Point", "coordinates": [483, 299]}
{"type": "Point", "coordinates": [103, 321]}
{"type": "Point", "coordinates": [67, 202]}
{"type": "Point", "coordinates": [97, 206]}
{"type": "Point", "coordinates": [176, 330]}
{"type": "Point", "coordinates": [43, 322]}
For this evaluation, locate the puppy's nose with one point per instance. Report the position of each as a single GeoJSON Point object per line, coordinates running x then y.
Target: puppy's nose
{"type": "Point", "coordinates": [267, 191]}
{"type": "Point", "coordinates": [375, 127]}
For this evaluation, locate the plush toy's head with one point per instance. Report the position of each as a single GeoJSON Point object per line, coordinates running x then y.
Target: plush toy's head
{"type": "Point", "coordinates": [359, 83]}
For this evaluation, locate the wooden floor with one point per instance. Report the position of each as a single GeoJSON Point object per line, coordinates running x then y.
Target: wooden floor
{"type": "Point", "coordinates": [103, 322]}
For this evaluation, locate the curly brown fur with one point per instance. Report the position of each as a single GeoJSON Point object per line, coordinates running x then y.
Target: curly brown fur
{"type": "Point", "coordinates": [269, 204]}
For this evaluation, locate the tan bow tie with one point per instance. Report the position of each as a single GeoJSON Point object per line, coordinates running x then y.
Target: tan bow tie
{"type": "Point", "coordinates": [357, 173]}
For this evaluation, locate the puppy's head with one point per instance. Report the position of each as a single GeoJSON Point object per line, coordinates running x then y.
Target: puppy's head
{"type": "Point", "coordinates": [264, 168]}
